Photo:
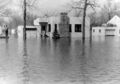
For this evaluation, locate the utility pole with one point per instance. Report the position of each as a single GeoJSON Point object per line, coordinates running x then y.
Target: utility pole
{"type": "Point", "coordinates": [84, 17]}
{"type": "Point", "coordinates": [24, 17]}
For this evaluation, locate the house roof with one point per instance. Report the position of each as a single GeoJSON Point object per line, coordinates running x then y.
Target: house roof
{"type": "Point", "coordinates": [115, 21]}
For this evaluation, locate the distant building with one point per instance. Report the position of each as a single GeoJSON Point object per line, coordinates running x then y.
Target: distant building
{"type": "Point", "coordinates": [112, 28]}
{"type": "Point", "coordinates": [115, 21]}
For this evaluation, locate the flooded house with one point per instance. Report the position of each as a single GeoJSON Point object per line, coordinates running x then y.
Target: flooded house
{"type": "Point", "coordinates": [63, 24]}
{"type": "Point", "coordinates": [5, 24]}
{"type": "Point", "coordinates": [31, 31]}
{"type": "Point", "coordinates": [4, 30]}
{"type": "Point", "coordinates": [111, 28]}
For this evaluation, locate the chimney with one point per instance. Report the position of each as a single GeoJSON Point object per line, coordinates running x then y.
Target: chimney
{"type": "Point", "coordinates": [64, 19]}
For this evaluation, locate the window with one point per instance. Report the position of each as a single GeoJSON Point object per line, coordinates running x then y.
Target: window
{"type": "Point", "coordinates": [55, 30]}
{"type": "Point", "coordinates": [55, 26]}
{"type": "Point", "coordinates": [70, 28]}
{"type": "Point", "coordinates": [43, 28]}
{"type": "Point", "coordinates": [93, 30]}
{"type": "Point", "coordinates": [49, 27]}
{"type": "Point", "coordinates": [109, 30]}
{"type": "Point", "coordinates": [99, 30]}
{"type": "Point", "coordinates": [78, 28]}
{"type": "Point", "coordinates": [31, 29]}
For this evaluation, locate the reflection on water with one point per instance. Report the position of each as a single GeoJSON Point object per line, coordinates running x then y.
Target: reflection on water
{"type": "Point", "coordinates": [62, 61]}
{"type": "Point", "coordinates": [25, 64]}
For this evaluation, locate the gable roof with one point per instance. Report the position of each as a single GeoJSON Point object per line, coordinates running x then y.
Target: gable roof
{"type": "Point", "coordinates": [115, 21]}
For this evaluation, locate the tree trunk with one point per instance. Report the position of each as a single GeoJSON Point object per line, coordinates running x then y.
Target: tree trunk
{"type": "Point", "coordinates": [84, 17]}
{"type": "Point", "coordinates": [24, 16]}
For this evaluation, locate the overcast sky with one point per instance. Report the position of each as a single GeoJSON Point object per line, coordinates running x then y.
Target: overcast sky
{"type": "Point", "coordinates": [47, 4]}
{"type": "Point", "coordinates": [53, 3]}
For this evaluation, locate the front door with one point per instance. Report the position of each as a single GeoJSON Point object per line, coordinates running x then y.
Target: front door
{"type": "Point", "coordinates": [43, 28]}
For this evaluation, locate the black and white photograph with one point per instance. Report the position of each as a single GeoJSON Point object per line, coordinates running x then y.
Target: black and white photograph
{"type": "Point", "coordinates": [59, 41]}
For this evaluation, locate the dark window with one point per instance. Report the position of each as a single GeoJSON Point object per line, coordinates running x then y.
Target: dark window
{"type": "Point", "coordinates": [110, 30]}
{"type": "Point", "coordinates": [70, 28]}
{"type": "Point", "coordinates": [43, 27]}
{"type": "Point", "coordinates": [49, 28]}
{"type": "Point", "coordinates": [55, 26]}
{"type": "Point", "coordinates": [93, 30]}
{"type": "Point", "coordinates": [78, 28]}
{"type": "Point", "coordinates": [100, 30]}
{"type": "Point", "coordinates": [31, 29]}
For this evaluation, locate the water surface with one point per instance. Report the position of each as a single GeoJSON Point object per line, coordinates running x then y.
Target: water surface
{"type": "Point", "coordinates": [63, 61]}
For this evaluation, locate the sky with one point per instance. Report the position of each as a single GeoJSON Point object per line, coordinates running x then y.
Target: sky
{"type": "Point", "coordinates": [51, 4]}
{"type": "Point", "coordinates": [46, 4]}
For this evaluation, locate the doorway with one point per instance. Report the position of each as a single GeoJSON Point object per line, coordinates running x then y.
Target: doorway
{"type": "Point", "coordinates": [43, 28]}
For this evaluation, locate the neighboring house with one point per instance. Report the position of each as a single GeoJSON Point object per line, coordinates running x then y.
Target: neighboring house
{"type": "Point", "coordinates": [66, 26]}
{"type": "Point", "coordinates": [5, 20]}
{"type": "Point", "coordinates": [98, 31]}
{"type": "Point", "coordinates": [112, 28]}
{"type": "Point", "coordinates": [115, 21]}
{"type": "Point", "coordinates": [3, 29]}
{"type": "Point", "coordinates": [31, 31]}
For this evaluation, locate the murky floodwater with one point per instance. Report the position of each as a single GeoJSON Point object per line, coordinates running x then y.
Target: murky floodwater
{"type": "Point", "coordinates": [63, 61]}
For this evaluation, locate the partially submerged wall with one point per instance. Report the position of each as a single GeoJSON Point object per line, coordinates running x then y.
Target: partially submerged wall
{"type": "Point", "coordinates": [106, 31]}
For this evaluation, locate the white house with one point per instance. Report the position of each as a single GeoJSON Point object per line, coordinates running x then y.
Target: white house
{"type": "Point", "coordinates": [66, 26]}
{"type": "Point", "coordinates": [31, 31]}
{"type": "Point", "coordinates": [98, 31]}
{"type": "Point", "coordinates": [115, 21]}
{"type": "Point", "coordinates": [112, 28]}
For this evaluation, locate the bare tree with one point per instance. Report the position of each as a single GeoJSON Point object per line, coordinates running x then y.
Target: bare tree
{"type": "Point", "coordinates": [83, 5]}
{"type": "Point", "coordinates": [26, 4]}
{"type": "Point", "coordinates": [109, 9]}
{"type": "Point", "coordinates": [84, 17]}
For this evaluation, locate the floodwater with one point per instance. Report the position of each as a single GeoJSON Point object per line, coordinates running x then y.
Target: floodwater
{"type": "Point", "coordinates": [63, 61]}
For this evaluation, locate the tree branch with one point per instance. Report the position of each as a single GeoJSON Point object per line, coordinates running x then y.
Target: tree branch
{"type": "Point", "coordinates": [77, 7]}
